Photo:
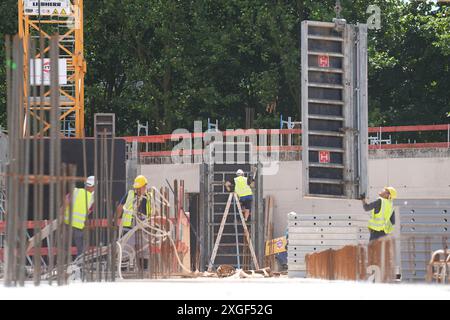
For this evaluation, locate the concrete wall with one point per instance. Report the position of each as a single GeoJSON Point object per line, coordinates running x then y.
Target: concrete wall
{"type": "Point", "coordinates": [415, 178]}
{"type": "Point", "coordinates": [286, 188]}
{"type": "Point", "coordinates": [157, 175]}
{"type": "Point", "coordinates": [418, 178]}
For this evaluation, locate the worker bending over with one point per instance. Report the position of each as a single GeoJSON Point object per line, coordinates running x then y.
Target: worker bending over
{"type": "Point", "coordinates": [382, 219]}
{"type": "Point", "coordinates": [243, 188]}
{"type": "Point", "coordinates": [81, 200]}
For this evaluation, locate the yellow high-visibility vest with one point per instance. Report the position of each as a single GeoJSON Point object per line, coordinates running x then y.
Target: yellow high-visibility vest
{"type": "Point", "coordinates": [381, 221]}
{"type": "Point", "coordinates": [81, 201]}
{"type": "Point", "coordinates": [128, 209]}
{"type": "Point", "coordinates": [241, 187]}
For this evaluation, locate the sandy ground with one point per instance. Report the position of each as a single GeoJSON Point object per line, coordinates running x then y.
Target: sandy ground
{"type": "Point", "coordinates": [229, 289]}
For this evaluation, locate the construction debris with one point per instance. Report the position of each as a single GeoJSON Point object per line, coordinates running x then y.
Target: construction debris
{"type": "Point", "coordinates": [224, 271]}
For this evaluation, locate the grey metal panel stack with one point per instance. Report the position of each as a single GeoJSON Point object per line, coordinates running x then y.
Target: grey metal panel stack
{"type": "Point", "coordinates": [425, 226]}
{"type": "Point", "coordinates": [315, 233]}
{"type": "Point", "coordinates": [334, 109]}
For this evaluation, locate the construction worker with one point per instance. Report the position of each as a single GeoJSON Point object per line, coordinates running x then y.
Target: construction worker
{"type": "Point", "coordinates": [136, 201]}
{"type": "Point", "coordinates": [81, 201]}
{"type": "Point", "coordinates": [382, 219]}
{"type": "Point", "coordinates": [243, 188]}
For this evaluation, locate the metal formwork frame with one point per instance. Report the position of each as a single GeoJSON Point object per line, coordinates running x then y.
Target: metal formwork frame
{"type": "Point", "coordinates": [340, 82]}
{"type": "Point", "coordinates": [423, 228]}
{"type": "Point", "coordinates": [313, 233]}
{"type": "Point", "coordinates": [71, 47]}
{"type": "Point", "coordinates": [208, 211]}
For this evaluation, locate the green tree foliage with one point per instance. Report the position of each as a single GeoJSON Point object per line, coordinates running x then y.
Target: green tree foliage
{"type": "Point", "coordinates": [409, 65]}
{"type": "Point", "coordinates": [8, 25]}
{"type": "Point", "coordinates": [171, 62]}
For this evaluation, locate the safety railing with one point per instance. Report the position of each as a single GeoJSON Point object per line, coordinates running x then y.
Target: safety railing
{"type": "Point", "coordinates": [159, 149]}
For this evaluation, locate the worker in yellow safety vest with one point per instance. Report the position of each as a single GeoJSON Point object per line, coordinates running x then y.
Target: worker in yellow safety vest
{"type": "Point", "coordinates": [78, 206]}
{"type": "Point", "coordinates": [136, 202]}
{"type": "Point", "coordinates": [382, 214]}
{"type": "Point", "coordinates": [243, 188]}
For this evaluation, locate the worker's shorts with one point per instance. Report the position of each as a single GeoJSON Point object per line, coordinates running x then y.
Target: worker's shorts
{"type": "Point", "coordinates": [375, 235]}
{"type": "Point", "coordinates": [246, 202]}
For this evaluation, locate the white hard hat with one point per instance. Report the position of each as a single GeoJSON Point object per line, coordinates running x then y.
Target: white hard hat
{"type": "Point", "coordinates": [240, 172]}
{"type": "Point", "coordinates": [90, 182]}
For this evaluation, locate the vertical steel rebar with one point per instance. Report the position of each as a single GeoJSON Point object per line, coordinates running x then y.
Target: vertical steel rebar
{"type": "Point", "coordinates": [112, 220]}
{"type": "Point", "coordinates": [36, 212]}
{"type": "Point", "coordinates": [55, 159]}
{"type": "Point", "coordinates": [86, 238]}
{"type": "Point", "coordinates": [9, 228]}
{"type": "Point", "coordinates": [16, 162]}
{"type": "Point", "coordinates": [24, 164]}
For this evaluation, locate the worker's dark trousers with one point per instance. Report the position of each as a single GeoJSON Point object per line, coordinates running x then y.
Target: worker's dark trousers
{"type": "Point", "coordinates": [78, 240]}
{"type": "Point", "coordinates": [375, 235]}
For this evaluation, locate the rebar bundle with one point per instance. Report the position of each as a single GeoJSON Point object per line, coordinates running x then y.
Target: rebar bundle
{"type": "Point", "coordinates": [26, 177]}
{"type": "Point", "coordinates": [38, 242]}
{"type": "Point", "coordinates": [39, 194]}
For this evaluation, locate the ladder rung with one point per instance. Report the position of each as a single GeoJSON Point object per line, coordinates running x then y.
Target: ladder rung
{"type": "Point", "coordinates": [324, 117]}
{"type": "Point", "coordinates": [325, 85]}
{"type": "Point", "coordinates": [323, 101]}
{"type": "Point", "coordinates": [326, 181]}
{"type": "Point", "coordinates": [326, 149]}
{"type": "Point", "coordinates": [326, 133]}
{"type": "Point", "coordinates": [327, 38]}
{"type": "Point", "coordinates": [330, 54]}
{"type": "Point", "coordinates": [328, 70]}
{"type": "Point", "coordinates": [326, 165]}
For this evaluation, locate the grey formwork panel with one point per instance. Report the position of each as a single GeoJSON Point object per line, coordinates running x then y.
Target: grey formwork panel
{"type": "Point", "coordinates": [297, 274]}
{"type": "Point", "coordinates": [425, 220]}
{"type": "Point", "coordinates": [334, 109]}
{"type": "Point", "coordinates": [327, 223]}
{"type": "Point", "coordinates": [424, 226]}
{"type": "Point", "coordinates": [332, 217]}
{"type": "Point", "coordinates": [298, 268]}
{"type": "Point", "coordinates": [352, 236]}
{"type": "Point", "coordinates": [312, 233]}
{"type": "Point", "coordinates": [311, 248]}
{"type": "Point", "coordinates": [327, 230]}
{"type": "Point", "coordinates": [440, 212]}
{"type": "Point", "coordinates": [324, 242]}
{"type": "Point", "coordinates": [415, 204]}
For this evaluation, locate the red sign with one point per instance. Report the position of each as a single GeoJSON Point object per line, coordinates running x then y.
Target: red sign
{"type": "Point", "coordinates": [46, 66]}
{"type": "Point", "coordinates": [324, 157]}
{"type": "Point", "coordinates": [324, 61]}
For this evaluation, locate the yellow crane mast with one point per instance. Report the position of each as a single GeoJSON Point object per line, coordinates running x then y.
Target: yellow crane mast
{"type": "Point", "coordinates": [40, 19]}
